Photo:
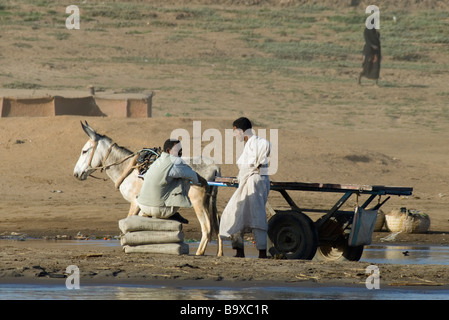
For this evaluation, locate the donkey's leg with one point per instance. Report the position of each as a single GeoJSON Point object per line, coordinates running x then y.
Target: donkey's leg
{"type": "Point", "coordinates": [205, 229]}
{"type": "Point", "coordinates": [220, 246]}
{"type": "Point", "coordinates": [215, 217]}
{"type": "Point", "coordinates": [196, 195]}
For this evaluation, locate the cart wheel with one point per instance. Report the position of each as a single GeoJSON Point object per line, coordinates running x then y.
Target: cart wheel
{"type": "Point", "coordinates": [293, 234]}
{"type": "Point", "coordinates": [341, 252]}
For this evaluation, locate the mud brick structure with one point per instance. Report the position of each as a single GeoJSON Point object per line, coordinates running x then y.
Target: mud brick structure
{"type": "Point", "coordinates": [48, 106]}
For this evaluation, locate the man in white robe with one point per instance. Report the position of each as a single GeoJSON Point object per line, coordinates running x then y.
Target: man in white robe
{"type": "Point", "coordinates": [245, 211]}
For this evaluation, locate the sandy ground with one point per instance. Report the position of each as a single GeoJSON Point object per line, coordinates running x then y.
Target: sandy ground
{"type": "Point", "coordinates": [35, 262]}
{"type": "Point", "coordinates": [42, 199]}
{"type": "Point", "coordinates": [318, 142]}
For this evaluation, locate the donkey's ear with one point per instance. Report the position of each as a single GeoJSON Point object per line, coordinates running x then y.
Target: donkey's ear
{"type": "Point", "coordinates": [89, 131]}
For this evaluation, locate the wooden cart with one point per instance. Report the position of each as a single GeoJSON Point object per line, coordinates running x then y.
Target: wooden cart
{"type": "Point", "coordinates": [295, 235]}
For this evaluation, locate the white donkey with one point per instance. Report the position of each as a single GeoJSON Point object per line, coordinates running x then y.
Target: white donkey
{"type": "Point", "coordinates": [100, 152]}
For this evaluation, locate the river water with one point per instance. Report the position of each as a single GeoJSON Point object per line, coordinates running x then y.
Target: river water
{"type": "Point", "coordinates": [148, 292]}
{"type": "Point", "coordinates": [375, 254]}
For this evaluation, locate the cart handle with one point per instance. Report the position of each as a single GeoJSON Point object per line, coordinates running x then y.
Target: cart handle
{"type": "Point", "coordinates": [321, 187]}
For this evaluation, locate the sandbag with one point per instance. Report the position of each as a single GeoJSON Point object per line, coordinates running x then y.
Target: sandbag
{"type": "Point", "coordinates": [138, 223]}
{"type": "Point", "coordinates": [164, 248]}
{"type": "Point", "coordinates": [151, 237]}
{"type": "Point", "coordinates": [362, 227]}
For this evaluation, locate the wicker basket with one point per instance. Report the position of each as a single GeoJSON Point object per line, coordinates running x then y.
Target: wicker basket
{"type": "Point", "coordinates": [408, 221]}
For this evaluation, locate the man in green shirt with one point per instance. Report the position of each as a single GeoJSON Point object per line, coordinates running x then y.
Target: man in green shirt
{"type": "Point", "coordinates": [166, 185]}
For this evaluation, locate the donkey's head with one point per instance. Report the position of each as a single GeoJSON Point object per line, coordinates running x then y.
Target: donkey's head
{"type": "Point", "coordinates": [92, 153]}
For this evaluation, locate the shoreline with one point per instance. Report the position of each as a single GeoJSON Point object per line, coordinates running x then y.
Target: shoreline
{"type": "Point", "coordinates": [30, 262]}
{"type": "Point", "coordinates": [432, 237]}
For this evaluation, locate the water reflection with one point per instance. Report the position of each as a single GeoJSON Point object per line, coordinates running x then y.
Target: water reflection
{"type": "Point", "coordinates": [413, 254]}
{"type": "Point", "coordinates": [125, 292]}
{"type": "Point", "coordinates": [392, 254]}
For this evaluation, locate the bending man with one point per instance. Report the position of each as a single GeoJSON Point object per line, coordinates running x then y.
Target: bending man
{"type": "Point", "coordinates": [166, 185]}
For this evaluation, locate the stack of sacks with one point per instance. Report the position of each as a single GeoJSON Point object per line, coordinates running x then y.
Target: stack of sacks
{"type": "Point", "coordinates": [151, 235]}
